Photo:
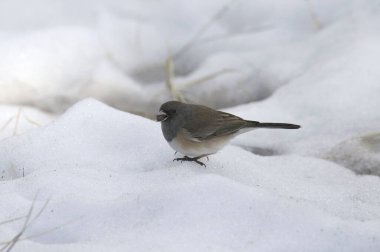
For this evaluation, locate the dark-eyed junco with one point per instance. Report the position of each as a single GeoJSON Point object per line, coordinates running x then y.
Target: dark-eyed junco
{"type": "Point", "coordinates": [198, 131]}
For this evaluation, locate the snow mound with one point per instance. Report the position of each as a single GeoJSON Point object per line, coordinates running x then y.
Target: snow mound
{"type": "Point", "coordinates": [68, 142]}
{"type": "Point", "coordinates": [110, 178]}
{"type": "Point", "coordinates": [54, 56]}
{"type": "Point", "coordinates": [360, 154]}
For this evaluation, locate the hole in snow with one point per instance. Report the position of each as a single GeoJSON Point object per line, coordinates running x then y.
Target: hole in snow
{"type": "Point", "coordinates": [260, 151]}
{"type": "Point", "coordinates": [360, 154]}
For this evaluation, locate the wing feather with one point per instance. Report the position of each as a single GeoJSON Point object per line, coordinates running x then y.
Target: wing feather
{"type": "Point", "coordinates": [207, 123]}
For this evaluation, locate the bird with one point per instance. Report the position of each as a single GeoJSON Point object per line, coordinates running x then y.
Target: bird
{"type": "Point", "coordinates": [197, 131]}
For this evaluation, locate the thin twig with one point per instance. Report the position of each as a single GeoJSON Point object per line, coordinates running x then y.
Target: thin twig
{"type": "Point", "coordinates": [313, 15]}
{"type": "Point", "coordinates": [7, 123]}
{"type": "Point", "coordinates": [169, 73]}
{"type": "Point", "coordinates": [27, 223]}
{"type": "Point", "coordinates": [176, 95]}
{"type": "Point", "coordinates": [31, 121]}
{"type": "Point", "coordinates": [17, 121]}
{"type": "Point", "coordinates": [47, 231]}
{"type": "Point", "coordinates": [250, 31]}
{"type": "Point", "coordinates": [12, 220]}
{"type": "Point", "coordinates": [10, 244]}
{"type": "Point", "coordinates": [39, 212]}
{"type": "Point", "coordinates": [209, 77]}
{"type": "Point", "coordinates": [203, 29]}
{"type": "Point", "coordinates": [169, 64]}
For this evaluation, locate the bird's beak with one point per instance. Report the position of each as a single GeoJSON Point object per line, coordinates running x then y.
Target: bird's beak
{"type": "Point", "coordinates": [161, 117]}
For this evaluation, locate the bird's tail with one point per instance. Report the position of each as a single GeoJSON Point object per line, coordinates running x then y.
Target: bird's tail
{"type": "Point", "coordinates": [255, 124]}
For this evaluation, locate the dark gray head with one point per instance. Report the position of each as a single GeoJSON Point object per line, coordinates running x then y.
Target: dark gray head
{"type": "Point", "coordinates": [173, 116]}
{"type": "Point", "coordinates": [168, 110]}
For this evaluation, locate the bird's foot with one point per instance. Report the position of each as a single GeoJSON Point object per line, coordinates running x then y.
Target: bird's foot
{"type": "Point", "coordinates": [194, 159]}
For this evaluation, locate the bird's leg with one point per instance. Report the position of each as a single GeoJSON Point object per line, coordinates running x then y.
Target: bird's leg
{"type": "Point", "coordinates": [193, 159]}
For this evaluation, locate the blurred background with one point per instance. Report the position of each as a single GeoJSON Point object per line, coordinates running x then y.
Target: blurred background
{"type": "Point", "coordinates": [309, 56]}
{"type": "Point", "coordinates": [220, 53]}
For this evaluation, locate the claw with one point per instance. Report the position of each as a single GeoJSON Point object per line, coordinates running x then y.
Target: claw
{"type": "Point", "coordinates": [194, 159]}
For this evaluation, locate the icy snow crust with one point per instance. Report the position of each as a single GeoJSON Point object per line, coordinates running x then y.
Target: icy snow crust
{"type": "Point", "coordinates": [109, 174]}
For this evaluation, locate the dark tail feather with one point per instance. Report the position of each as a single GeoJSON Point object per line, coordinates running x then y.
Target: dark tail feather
{"type": "Point", "coordinates": [273, 125]}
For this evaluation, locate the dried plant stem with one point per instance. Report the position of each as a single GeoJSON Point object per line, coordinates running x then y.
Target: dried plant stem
{"type": "Point", "coordinates": [17, 121]}
{"type": "Point", "coordinates": [31, 121]}
{"type": "Point", "coordinates": [209, 77]}
{"type": "Point", "coordinates": [203, 29]}
{"type": "Point", "coordinates": [18, 117]}
{"type": "Point", "coordinates": [12, 220]}
{"type": "Point", "coordinates": [29, 220]}
{"type": "Point", "coordinates": [7, 123]}
{"type": "Point", "coordinates": [176, 95]}
{"type": "Point", "coordinates": [313, 15]}
{"type": "Point", "coordinates": [10, 244]}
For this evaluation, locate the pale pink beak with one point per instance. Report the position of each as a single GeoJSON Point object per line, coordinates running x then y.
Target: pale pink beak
{"type": "Point", "coordinates": [161, 117]}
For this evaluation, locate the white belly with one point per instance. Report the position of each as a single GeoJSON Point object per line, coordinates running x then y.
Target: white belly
{"type": "Point", "coordinates": [192, 148]}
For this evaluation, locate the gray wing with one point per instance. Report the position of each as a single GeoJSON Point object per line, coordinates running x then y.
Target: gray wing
{"type": "Point", "coordinates": [207, 123]}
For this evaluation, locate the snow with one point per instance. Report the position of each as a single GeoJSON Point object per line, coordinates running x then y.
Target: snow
{"type": "Point", "coordinates": [16, 120]}
{"type": "Point", "coordinates": [108, 174]}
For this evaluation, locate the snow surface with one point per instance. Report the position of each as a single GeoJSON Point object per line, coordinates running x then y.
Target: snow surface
{"type": "Point", "coordinates": [109, 174]}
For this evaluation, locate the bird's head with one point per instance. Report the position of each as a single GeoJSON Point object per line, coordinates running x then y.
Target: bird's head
{"type": "Point", "coordinates": [168, 110]}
